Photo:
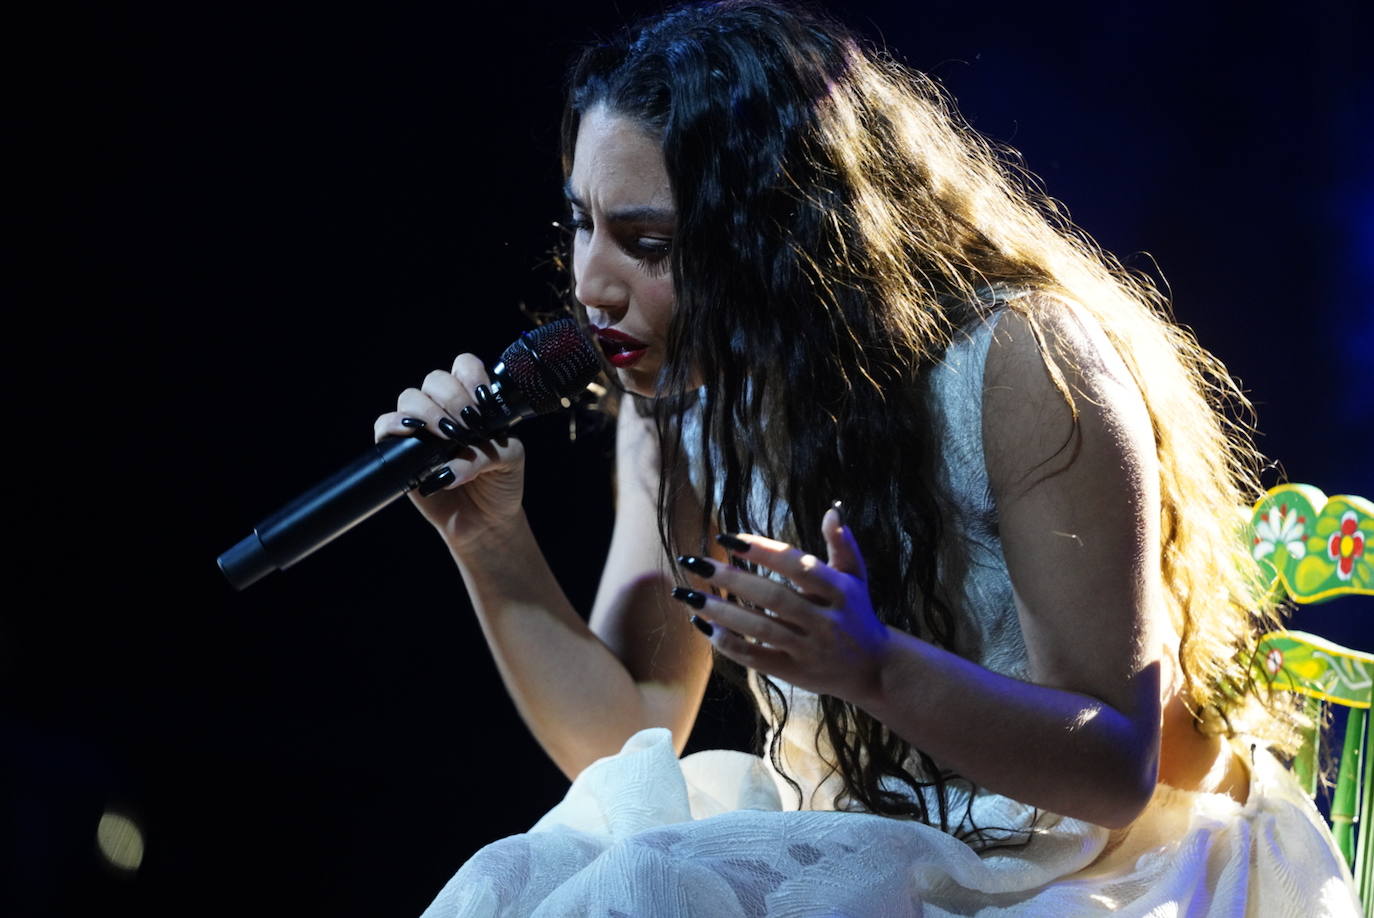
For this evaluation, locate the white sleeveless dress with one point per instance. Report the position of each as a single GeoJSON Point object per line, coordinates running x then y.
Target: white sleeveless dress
{"type": "Point", "coordinates": [717, 833]}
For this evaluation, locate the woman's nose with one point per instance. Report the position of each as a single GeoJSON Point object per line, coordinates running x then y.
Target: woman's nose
{"type": "Point", "coordinates": [598, 281]}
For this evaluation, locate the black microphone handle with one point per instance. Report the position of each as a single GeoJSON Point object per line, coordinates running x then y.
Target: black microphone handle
{"type": "Point", "coordinates": [539, 371]}
{"type": "Point", "coordinates": [379, 476]}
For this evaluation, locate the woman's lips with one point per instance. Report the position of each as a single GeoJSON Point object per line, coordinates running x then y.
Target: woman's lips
{"type": "Point", "coordinates": [621, 350]}
{"type": "Point", "coordinates": [625, 358]}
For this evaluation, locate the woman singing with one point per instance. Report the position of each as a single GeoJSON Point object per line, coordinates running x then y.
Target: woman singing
{"type": "Point", "coordinates": [901, 447]}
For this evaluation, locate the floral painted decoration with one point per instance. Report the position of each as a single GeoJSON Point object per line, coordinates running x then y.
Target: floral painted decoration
{"type": "Point", "coordinates": [1346, 546]}
{"type": "Point", "coordinates": [1310, 665]}
{"type": "Point", "coordinates": [1312, 548]}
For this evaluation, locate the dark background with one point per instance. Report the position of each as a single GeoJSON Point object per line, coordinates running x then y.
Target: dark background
{"type": "Point", "coordinates": [241, 231]}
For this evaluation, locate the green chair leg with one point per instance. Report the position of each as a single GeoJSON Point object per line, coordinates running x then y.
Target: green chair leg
{"type": "Point", "coordinates": [1345, 802]}
{"type": "Point", "coordinates": [1363, 866]}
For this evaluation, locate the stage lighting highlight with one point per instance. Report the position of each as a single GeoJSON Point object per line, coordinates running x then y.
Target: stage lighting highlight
{"type": "Point", "coordinates": [120, 841]}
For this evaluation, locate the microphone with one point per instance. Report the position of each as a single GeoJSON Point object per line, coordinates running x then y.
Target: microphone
{"type": "Point", "coordinates": [536, 373]}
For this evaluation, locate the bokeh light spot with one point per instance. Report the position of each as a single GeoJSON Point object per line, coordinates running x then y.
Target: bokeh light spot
{"type": "Point", "coordinates": [120, 841]}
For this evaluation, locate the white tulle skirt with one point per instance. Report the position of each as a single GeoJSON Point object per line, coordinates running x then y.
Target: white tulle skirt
{"type": "Point", "coordinates": [642, 833]}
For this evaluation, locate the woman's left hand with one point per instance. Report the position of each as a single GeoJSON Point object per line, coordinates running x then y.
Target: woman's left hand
{"type": "Point", "coordinates": [820, 633]}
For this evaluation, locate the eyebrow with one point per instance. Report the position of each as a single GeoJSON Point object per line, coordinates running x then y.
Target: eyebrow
{"type": "Point", "coordinates": [625, 214]}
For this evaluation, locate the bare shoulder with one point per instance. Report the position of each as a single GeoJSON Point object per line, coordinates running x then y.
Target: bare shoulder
{"type": "Point", "coordinates": [1054, 384]}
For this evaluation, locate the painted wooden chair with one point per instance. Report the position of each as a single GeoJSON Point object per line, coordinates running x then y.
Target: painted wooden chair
{"type": "Point", "coordinates": [1311, 548]}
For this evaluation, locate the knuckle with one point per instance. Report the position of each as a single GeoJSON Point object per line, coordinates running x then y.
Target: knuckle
{"type": "Point", "coordinates": [437, 381]}
{"type": "Point", "coordinates": [470, 369]}
{"type": "Point", "coordinates": [736, 645]}
{"type": "Point", "coordinates": [776, 595]}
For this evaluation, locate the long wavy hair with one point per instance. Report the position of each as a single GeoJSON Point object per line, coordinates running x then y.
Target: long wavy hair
{"type": "Point", "coordinates": [837, 222]}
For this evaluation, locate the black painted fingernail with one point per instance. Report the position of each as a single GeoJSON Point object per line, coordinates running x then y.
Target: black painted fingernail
{"type": "Point", "coordinates": [450, 429]}
{"type": "Point", "coordinates": [699, 566]}
{"type": "Point", "coordinates": [703, 625]}
{"type": "Point", "coordinates": [738, 546]}
{"type": "Point", "coordinates": [472, 417]}
{"type": "Point", "coordinates": [414, 423]}
{"type": "Point", "coordinates": [436, 481]}
{"type": "Point", "coordinates": [838, 507]}
{"type": "Point", "coordinates": [691, 597]}
{"type": "Point", "coordinates": [483, 395]}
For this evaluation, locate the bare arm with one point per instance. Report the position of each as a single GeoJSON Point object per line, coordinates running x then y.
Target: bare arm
{"type": "Point", "coordinates": [582, 688]}
{"type": "Point", "coordinates": [633, 614]}
{"type": "Point", "coordinates": [1081, 544]}
{"type": "Point", "coordinates": [1079, 528]}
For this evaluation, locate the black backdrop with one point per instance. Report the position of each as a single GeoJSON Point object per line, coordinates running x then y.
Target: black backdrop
{"type": "Point", "coordinates": [241, 231]}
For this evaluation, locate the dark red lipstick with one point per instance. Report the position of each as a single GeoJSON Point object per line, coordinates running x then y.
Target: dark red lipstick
{"type": "Point", "coordinates": [621, 350]}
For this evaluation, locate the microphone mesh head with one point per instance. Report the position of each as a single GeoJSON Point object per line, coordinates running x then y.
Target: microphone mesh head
{"type": "Point", "coordinates": [551, 363]}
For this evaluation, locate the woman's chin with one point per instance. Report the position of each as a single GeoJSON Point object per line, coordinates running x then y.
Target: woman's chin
{"type": "Point", "coordinates": [640, 380]}
{"type": "Point", "coordinates": [647, 381]}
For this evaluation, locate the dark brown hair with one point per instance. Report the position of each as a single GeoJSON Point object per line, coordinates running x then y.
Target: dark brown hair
{"type": "Point", "coordinates": [837, 221]}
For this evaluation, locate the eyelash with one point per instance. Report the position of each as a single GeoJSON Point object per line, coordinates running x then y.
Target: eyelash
{"type": "Point", "coordinates": [654, 258]}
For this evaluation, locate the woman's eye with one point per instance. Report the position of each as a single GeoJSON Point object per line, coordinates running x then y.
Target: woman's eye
{"type": "Point", "coordinates": [653, 254]}
{"type": "Point", "coordinates": [654, 247]}
{"type": "Point", "coordinates": [650, 250]}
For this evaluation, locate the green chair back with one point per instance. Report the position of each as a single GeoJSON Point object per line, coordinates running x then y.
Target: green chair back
{"type": "Point", "coordinates": [1311, 548]}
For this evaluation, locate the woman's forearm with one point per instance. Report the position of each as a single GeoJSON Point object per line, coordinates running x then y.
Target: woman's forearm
{"type": "Point", "coordinates": [1048, 747]}
{"type": "Point", "coordinates": [575, 696]}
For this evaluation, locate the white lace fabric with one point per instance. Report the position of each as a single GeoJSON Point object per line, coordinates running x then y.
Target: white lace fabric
{"type": "Point", "coordinates": [644, 834]}
{"type": "Point", "coordinates": [717, 834]}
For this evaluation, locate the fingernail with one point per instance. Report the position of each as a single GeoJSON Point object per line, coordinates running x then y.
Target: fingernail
{"type": "Point", "coordinates": [699, 566]}
{"type": "Point", "coordinates": [703, 625]}
{"type": "Point", "coordinates": [413, 423]}
{"type": "Point", "coordinates": [738, 546]}
{"type": "Point", "coordinates": [691, 597]}
{"type": "Point", "coordinates": [838, 507]}
{"type": "Point", "coordinates": [489, 409]}
{"type": "Point", "coordinates": [450, 429]}
{"type": "Point", "coordinates": [437, 481]}
{"type": "Point", "coordinates": [472, 417]}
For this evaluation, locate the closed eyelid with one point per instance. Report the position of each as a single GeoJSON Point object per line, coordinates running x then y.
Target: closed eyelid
{"type": "Point", "coordinates": [627, 235]}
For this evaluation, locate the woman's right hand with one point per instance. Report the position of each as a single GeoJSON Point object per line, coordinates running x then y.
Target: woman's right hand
{"type": "Point", "coordinates": [485, 493]}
